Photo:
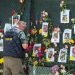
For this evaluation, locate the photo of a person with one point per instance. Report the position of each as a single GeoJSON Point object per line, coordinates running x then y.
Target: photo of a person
{"type": "Point", "coordinates": [64, 18]}
{"type": "Point", "coordinates": [1, 41]}
{"type": "Point", "coordinates": [45, 28]}
{"type": "Point", "coordinates": [62, 55]}
{"type": "Point", "coordinates": [55, 36]}
{"type": "Point", "coordinates": [72, 53]}
{"type": "Point", "coordinates": [50, 55]}
{"type": "Point", "coordinates": [36, 49]}
{"type": "Point", "coordinates": [67, 35]}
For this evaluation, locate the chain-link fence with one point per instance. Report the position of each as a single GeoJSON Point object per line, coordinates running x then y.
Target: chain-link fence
{"type": "Point", "coordinates": [39, 70]}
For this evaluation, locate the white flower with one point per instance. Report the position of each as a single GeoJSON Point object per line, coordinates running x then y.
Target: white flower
{"type": "Point", "coordinates": [63, 71]}
{"type": "Point", "coordinates": [55, 44]}
{"type": "Point", "coordinates": [46, 13]}
{"type": "Point", "coordinates": [62, 3]}
{"type": "Point", "coordinates": [57, 73]}
{"type": "Point", "coordinates": [73, 20]}
{"type": "Point", "coordinates": [26, 54]}
{"type": "Point", "coordinates": [1, 35]}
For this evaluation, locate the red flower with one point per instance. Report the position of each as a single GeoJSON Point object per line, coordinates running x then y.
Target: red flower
{"type": "Point", "coordinates": [30, 47]}
{"type": "Point", "coordinates": [1, 30]}
{"type": "Point", "coordinates": [29, 31]}
{"type": "Point", "coordinates": [39, 54]}
{"type": "Point", "coordinates": [43, 47]}
{"type": "Point", "coordinates": [12, 12]}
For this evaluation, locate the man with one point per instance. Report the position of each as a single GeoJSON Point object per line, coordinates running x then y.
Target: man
{"type": "Point", "coordinates": [15, 42]}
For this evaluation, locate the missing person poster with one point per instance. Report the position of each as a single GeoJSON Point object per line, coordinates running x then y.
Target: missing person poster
{"type": "Point", "coordinates": [64, 16]}
{"type": "Point", "coordinates": [45, 29]}
{"type": "Point", "coordinates": [1, 41]}
{"type": "Point", "coordinates": [50, 54]}
{"type": "Point", "coordinates": [62, 55]}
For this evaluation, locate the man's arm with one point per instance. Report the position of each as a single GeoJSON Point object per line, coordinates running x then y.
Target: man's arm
{"type": "Point", "coordinates": [24, 40]}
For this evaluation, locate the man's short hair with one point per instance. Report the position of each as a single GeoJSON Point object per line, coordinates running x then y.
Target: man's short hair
{"type": "Point", "coordinates": [16, 17]}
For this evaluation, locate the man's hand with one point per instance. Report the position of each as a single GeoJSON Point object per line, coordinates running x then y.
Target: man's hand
{"type": "Point", "coordinates": [25, 46]}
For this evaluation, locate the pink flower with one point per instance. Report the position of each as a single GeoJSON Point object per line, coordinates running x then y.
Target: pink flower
{"type": "Point", "coordinates": [39, 54]}
{"type": "Point", "coordinates": [54, 69]}
{"type": "Point", "coordinates": [29, 31]}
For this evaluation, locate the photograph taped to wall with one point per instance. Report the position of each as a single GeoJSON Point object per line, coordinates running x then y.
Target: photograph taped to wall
{"type": "Point", "coordinates": [72, 53]}
{"type": "Point", "coordinates": [62, 55]}
{"type": "Point", "coordinates": [55, 37]}
{"type": "Point", "coordinates": [15, 19]}
{"type": "Point", "coordinates": [50, 54]}
{"type": "Point", "coordinates": [45, 28]}
{"type": "Point", "coordinates": [36, 50]}
{"type": "Point", "coordinates": [74, 28]}
{"type": "Point", "coordinates": [67, 35]}
{"type": "Point", "coordinates": [64, 16]}
{"type": "Point", "coordinates": [1, 41]}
